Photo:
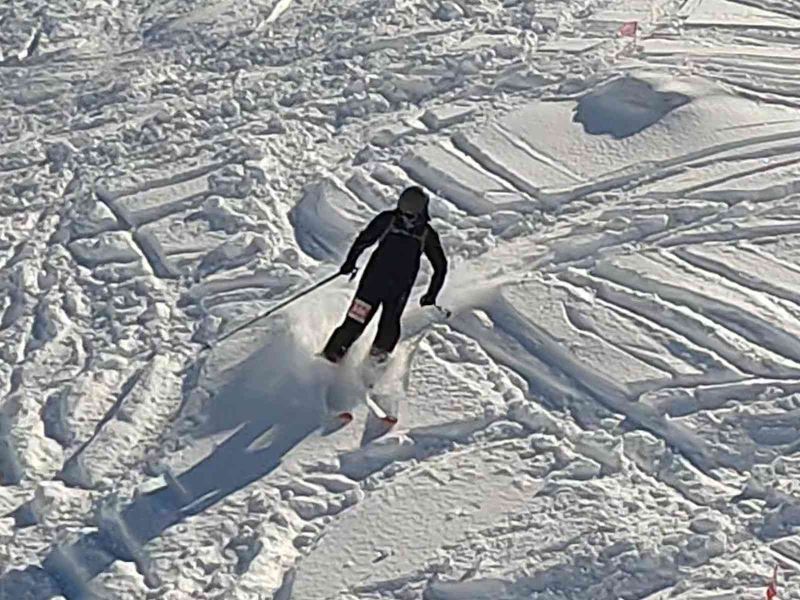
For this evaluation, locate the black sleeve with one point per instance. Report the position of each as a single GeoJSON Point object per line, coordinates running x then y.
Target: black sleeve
{"type": "Point", "coordinates": [435, 254]}
{"type": "Point", "coordinates": [369, 235]}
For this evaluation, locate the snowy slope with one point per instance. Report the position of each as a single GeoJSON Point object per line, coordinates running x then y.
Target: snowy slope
{"type": "Point", "coordinates": [613, 408]}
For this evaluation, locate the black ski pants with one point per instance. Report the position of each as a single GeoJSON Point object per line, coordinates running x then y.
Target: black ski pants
{"type": "Point", "coordinates": [364, 306]}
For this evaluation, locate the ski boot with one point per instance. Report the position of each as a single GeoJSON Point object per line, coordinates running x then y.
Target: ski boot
{"type": "Point", "coordinates": [378, 356]}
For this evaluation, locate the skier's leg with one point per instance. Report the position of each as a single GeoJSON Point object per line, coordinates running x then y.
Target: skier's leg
{"type": "Point", "coordinates": [389, 324]}
{"type": "Point", "coordinates": [358, 317]}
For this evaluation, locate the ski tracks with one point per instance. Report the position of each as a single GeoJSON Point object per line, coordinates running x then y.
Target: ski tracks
{"type": "Point", "coordinates": [561, 413]}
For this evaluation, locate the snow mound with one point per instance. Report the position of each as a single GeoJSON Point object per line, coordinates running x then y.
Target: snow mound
{"type": "Point", "coordinates": [325, 220]}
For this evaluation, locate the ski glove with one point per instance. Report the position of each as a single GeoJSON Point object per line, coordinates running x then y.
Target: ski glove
{"type": "Point", "coordinates": [427, 300]}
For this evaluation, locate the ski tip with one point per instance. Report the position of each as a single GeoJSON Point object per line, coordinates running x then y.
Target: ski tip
{"type": "Point", "coordinates": [336, 422]}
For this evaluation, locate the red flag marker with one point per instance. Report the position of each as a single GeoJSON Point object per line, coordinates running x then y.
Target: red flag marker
{"type": "Point", "coordinates": [772, 588]}
{"type": "Point", "coordinates": [629, 29]}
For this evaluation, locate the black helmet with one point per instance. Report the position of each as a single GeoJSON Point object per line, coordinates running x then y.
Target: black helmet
{"type": "Point", "coordinates": [413, 201]}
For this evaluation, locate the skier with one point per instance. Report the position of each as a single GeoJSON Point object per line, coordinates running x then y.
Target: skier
{"type": "Point", "coordinates": [402, 235]}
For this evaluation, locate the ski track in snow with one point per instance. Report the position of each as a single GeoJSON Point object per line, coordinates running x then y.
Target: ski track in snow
{"type": "Point", "coordinates": [612, 411]}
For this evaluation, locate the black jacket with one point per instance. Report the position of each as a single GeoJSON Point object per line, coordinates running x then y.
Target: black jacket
{"type": "Point", "coordinates": [394, 265]}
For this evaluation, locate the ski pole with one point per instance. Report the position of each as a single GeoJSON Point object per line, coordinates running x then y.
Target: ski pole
{"type": "Point", "coordinates": [274, 309]}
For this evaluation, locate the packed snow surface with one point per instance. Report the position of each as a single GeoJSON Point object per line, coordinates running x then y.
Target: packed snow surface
{"type": "Point", "coordinates": [611, 411]}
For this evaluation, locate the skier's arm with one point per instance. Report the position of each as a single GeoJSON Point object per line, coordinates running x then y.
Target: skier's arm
{"type": "Point", "coordinates": [435, 254]}
{"type": "Point", "coordinates": [366, 238]}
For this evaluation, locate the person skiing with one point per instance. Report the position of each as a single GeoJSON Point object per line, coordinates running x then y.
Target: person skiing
{"type": "Point", "coordinates": [402, 236]}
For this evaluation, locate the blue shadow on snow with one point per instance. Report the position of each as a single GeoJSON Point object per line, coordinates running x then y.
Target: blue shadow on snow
{"type": "Point", "coordinates": [624, 107]}
{"type": "Point", "coordinates": [274, 394]}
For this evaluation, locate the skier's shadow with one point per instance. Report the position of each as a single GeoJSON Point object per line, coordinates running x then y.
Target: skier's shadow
{"type": "Point", "coordinates": [271, 402]}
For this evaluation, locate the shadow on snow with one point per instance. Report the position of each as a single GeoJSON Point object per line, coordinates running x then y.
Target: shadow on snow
{"type": "Point", "coordinates": [273, 398]}
{"type": "Point", "coordinates": [625, 107]}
